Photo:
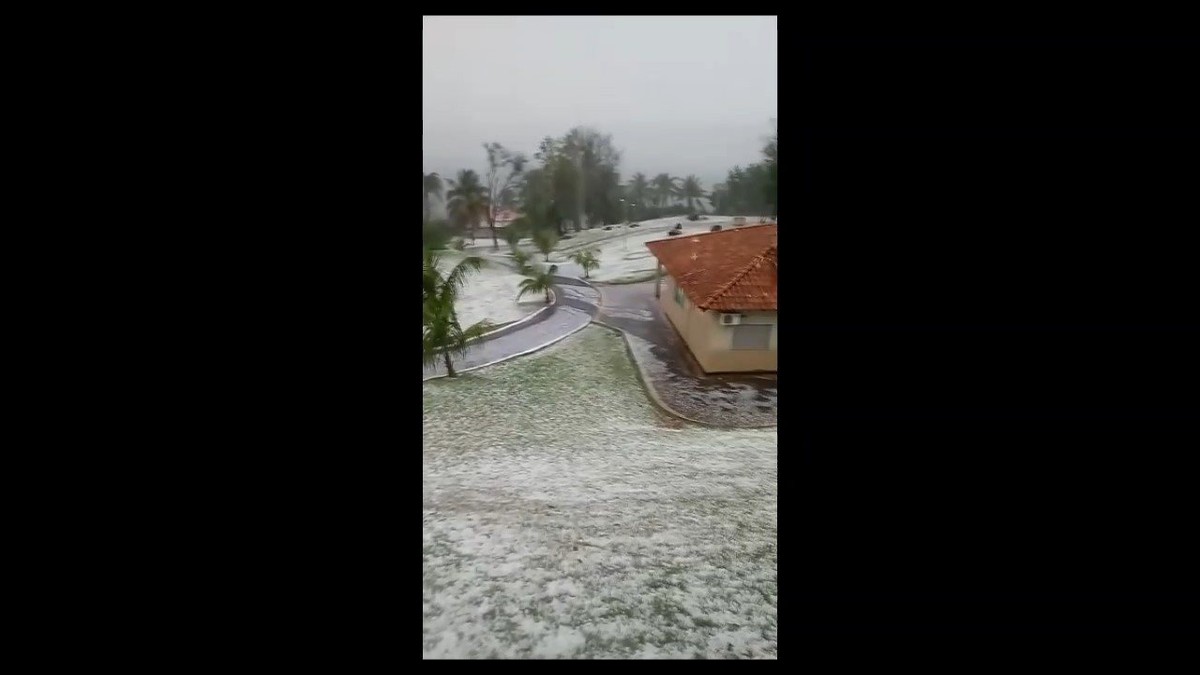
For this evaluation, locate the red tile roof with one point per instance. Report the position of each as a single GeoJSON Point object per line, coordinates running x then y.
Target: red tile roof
{"type": "Point", "coordinates": [504, 215]}
{"type": "Point", "coordinates": [731, 270]}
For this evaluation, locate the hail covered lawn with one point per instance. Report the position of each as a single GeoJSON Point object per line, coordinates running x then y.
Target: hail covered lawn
{"type": "Point", "coordinates": [564, 517]}
{"type": "Point", "coordinates": [490, 293]}
{"type": "Point", "coordinates": [624, 257]}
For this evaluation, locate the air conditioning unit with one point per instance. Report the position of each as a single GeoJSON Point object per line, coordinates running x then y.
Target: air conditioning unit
{"type": "Point", "coordinates": [731, 319]}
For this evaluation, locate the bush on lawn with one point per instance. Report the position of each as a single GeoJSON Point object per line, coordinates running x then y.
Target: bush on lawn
{"type": "Point", "coordinates": [435, 235]}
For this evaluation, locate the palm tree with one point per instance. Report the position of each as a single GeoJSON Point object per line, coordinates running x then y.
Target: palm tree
{"type": "Point", "coordinates": [430, 276]}
{"type": "Point", "coordinates": [771, 149]}
{"type": "Point", "coordinates": [538, 282]}
{"type": "Point", "coordinates": [586, 259]}
{"type": "Point", "coordinates": [521, 258]}
{"type": "Point", "coordinates": [639, 191]}
{"type": "Point", "coordinates": [545, 241]}
{"type": "Point", "coordinates": [735, 191]}
{"type": "Point", "coordinates": [690, 190]}
{"type": "Point", "coordinates": [664, 188]}
{"type": "Point", "coordinates": [719, 198]}
{"type": "Point", "coordinates": [468, 199]}
{"type": "Point", "coordinates": [433, 186]}
{"type": "Point", "coordinates": [512, 235]}
{"type": "Point", "coordinates": [441, 333]}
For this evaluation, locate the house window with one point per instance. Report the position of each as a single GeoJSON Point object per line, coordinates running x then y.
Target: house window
{"type": "Point", "coordinates": [678, 295]}
{"type": "Point", "coordinates": [751, 336]}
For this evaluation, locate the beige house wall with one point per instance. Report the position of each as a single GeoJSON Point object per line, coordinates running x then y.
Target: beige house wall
{"type": "Point", "coordinates": [710, 342]}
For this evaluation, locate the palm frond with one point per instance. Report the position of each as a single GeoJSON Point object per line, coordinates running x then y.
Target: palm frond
{"type": "Point", "coordinates": [438, 332]}
{"type": "Point", "coordinates": [462, 339]}
{"type": "Point", "coordinates": [431, 277]}
{"type": "Point", "coordinates": [529, 286]}
{"type": "Point", "coordinates": [430, 352]}
{"type": "Point", "coordinates": [475, 331]}
{"type": "Point", "coordinates": [450, 337]}
{"type": "Point", "coordinates": [457, 278]}
{"type": "Point", "coordinates": [522, 259]}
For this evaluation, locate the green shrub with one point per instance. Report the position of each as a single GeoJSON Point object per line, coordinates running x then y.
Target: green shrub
{"type": "Point", "coordinates": [435, 235]}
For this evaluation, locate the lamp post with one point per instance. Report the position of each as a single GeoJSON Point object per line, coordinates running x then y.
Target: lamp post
{"type": "Point", "coordinates": [579, 168]}
{"type": "Point", "coordinates": [625, 239]}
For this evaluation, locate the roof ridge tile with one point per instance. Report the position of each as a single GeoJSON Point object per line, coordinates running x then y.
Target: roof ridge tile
{"type": "Point", "coordinates": [751, 266]}
{"type": "Point", "coordinates": [736, 272]}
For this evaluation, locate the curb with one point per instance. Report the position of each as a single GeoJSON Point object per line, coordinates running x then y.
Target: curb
{"type": "Point", "coordinates": [523, 321]}
{"type": "Point", "coordinates": [513, 356]}
{"type": "Point", "coordinates": [520, 323]}
{"type": "Point", "coordinates": [653, 394]}
{"type": "Point", "coordinates": [600, 292]}
{"type": "Point", "coordinates": [590, 285]}
{"type": "Point", "coordinates": [517, 325]}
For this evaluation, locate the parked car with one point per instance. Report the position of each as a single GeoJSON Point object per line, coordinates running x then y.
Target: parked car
{"type": "Point", "coordinates": [674, 233]}
{"type": "Point", "coordinates": [715, 228]}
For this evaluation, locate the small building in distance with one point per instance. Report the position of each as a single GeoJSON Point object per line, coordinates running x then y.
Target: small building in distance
{"type": "Point", "coordinates": [720, 292]}
{"type": "Point", "coordinates": [505, 217]}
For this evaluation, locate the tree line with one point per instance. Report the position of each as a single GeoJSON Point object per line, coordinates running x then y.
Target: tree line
{"type": "Point", "coordinates": [573, 181]}
{"type": "Point", "coordinates": [753, 189]}
{"type": "Point", "coordinates": [570, 181]}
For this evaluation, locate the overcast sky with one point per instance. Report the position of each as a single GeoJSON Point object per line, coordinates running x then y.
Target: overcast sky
{"type": "Point", "coordinates": [678, 94]}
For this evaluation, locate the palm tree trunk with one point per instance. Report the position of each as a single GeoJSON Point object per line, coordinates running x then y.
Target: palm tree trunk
{"type": "Point", "coordinates": [495, 242]}
{"type": "Point", "coordinates": [449, 366]}
{"type": "Point", "coordinates": [547, 296]}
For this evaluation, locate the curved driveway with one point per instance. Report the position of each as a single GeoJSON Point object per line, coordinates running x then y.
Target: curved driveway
{"type": "Point", "coordinates": [575, 304]}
